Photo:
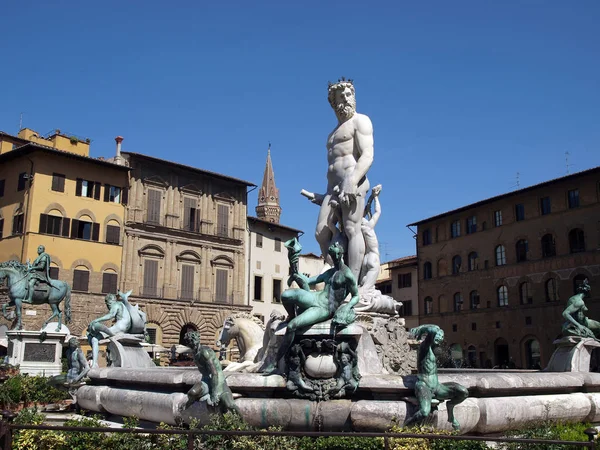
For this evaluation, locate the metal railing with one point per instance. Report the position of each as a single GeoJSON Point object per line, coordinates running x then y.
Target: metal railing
{"type": "Point", "coordinates": [7, 429]}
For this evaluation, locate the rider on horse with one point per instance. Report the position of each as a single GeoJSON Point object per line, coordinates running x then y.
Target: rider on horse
{"type": "Point", "coordinates": [38, 271]}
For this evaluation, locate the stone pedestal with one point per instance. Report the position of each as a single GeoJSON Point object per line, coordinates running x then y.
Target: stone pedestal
{"type": "Point", "coordinates": [572, 355]}
{"type": "Point", "coordinates": [36, 352]}
{"type": "Point", "coordinates": [125, 350]}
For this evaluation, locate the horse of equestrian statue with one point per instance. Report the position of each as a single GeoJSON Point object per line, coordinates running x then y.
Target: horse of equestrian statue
{"type": "Point", "coordinates": [18, 276]}
{"type": "Point", "coordinates": [248, 332]}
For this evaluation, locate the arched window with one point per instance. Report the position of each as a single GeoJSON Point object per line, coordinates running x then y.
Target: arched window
{"type": "Point", "coordinates": [427, 271]}
{"type": "Point", "coordinates": [472, 261]}
{"type": "Point", "coordinates": [456, 262]}
{"type": "Point", "coordinates": [442, 268]}
{"type": "Point", "coordinates": [525, 293]}
{"type": "Point", "coordinates": [578, 281]}
{"type": "Point", "coordinates": [500, 255]}
{"type": "Point", "coordinates": [458, 301]}
{"type": "Point", "coordinates": [502, 296]}
{"type": "Point", "coordinates": [532, 354]}
{"type": "Point", "coordinates": [474, 299]}
{"type": "Point", "coordinates": [522, 247]}
{"type": "Point", "coordinates": [81, 279]}
{"type": "Point", "coordinates": [109, 281]}
{"type": "Point", "coordinates": [576, 240]}
{"type": "Point", "coordinates": [428, 306]}
{"type": "Point", "coordinates": [548, 246]}
{"type": "Point", "coordinates": [551, 290]}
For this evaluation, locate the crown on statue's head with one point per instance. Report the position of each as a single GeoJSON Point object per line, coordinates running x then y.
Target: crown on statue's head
{"type": "Point", "coordinates": [340, 84]}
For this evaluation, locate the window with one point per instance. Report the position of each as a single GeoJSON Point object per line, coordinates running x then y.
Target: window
{"type": "Point", "coordinates": [426, 237]}
{"type": "Point", "coordinates": [428, 306]}
{"type": "Point", "coordinates": [54, 272]}
{"type": "Point", "coordinates": [109, 283]}
{"type": "Point", "coordinates": [58, 182]}
{"type": "Point", "coordinates": [277, 247]}
{"type": "Point", "coordinates": [112, 194]}
{"type": "Point", "coordinates": [259, 240]}
{"type": "Point", "coordinates": [455, 229]}
{"type": "Point", "coordinates": [472, 261]}
{"type": "Point", "coordinates": [151, 335]}
{"type": "Point", "coordinates": [484, 226]}
{"type": "Point", "coordinates": [21, 181]}
{"type": "Point", "coordinates": [471, 225]}
{"type": "Point", "coordinates": [574, 198]}
{"type": "Point", "coordinates": [1, 228]}
{"type": "Point", "coordinates": [577, 282]}
{"type": "Point", "coordinates": [497, 324]}
{"type": "Point", "coordinates": [456, 262]}
{"type": "Point", "coordinates": [276, 291]}
{"type": "Point", "coordinates": [502, 296]}
{"type": "Point", "coordinates": [82, 229]}
{"type": "Point", "coordinates": [191, 215]}
{"type": "Point", "coordinates": [223, 220]}
{"type": "Point", "coordinates": [81, 280]}
{"type": "Point", "coordinates": [17, 227]}
{"type": "Point", "coordinates": [58, 226]}
{"type": "Point", "coordinates": [2, 183]}
{"type": "Point", "coordinates": [528, 320]}
{"type": "Point", "coordinates": [404, 280]}
{"type": "Point", "coordinates": [545, 206]}
{"type": "Point", "coordinates": [525, 293]}
{"type": "Point", "coordinates": [454, 327]}
{"type": "Point", "coordinates": [474, 299]}
{"type": "Point", "coordinates": [113, 234]}
{"type": "Point", "coordinates": [522, 247]}
{"type": "Point", "coordinates": [551, 290]}
{"type": "Point", "coordinates": [406, 308]}
{"type": "Point", "coordinates": [519, 212]}
{"type": "Point", "coordinates": [497, 218]}
{"type": "Point", "coordinates": [187, 282]}
{"type": "Point", "coordinates": [500, 255]}
{"type": "Point", "coordinates": [258, 288]}
{"type": "Point", "coordinates": [153, 206]}
{"type": "Point", "coordinates": [473, 326]}
{"type": "Point", "coordinates": [150, 282]}
{"type": "Point", "coordinates": [87, 188]}
{"type": "Point", "coordinates": [548, 246]}
{"type": "Point", "coordinates": [458, 302]}
{"type": "Point", "coordinates": [427, 271]}
{"type": "Point", "coordinates": [576, 240]}
{"type": "Point", "coordinates": [221, 285]}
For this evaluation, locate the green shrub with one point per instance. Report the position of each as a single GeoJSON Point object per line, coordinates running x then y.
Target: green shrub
{"type": "Point", "coordinates": [562, 431]}
{"type": "Point", "coordinates": [76, 440]}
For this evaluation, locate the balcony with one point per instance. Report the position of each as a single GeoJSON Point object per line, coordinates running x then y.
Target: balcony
{"type": "Point", "coordinates": [200, 295]}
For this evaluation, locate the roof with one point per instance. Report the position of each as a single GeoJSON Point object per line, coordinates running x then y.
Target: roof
{"type": "Point", "coordinates": [194, 169]}
{"type": "Point", "coordinates": [31, 147]}
{"type": "Point", "coordinates": [508, 194]}
{"type": "Point", "coordinates": [310, 255]}
{"type": "Point", "coordinates": [272, 224]}
{"type": "Point", "coordinates": [404, 260]}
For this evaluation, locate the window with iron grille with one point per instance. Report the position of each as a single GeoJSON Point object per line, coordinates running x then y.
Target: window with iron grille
{"type": "Point", "coordinates": [81, 280]}
{"type": "Point", "coordinates": [151, 335]}
{"type": "Point", "coordinates": [502, 296]}
{"type": "Point", "coordinates": [58, 182]}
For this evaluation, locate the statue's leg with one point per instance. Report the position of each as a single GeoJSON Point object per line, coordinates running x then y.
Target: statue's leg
{"type": "Point", "coordinates": [18, 307]}
{"type": "Point", "coordinates": [352, 215]}
{"type": "Point", "coordinates": [455, 393]}
{"type": "Point", "coordinates": [323, 234]}
{"type": "Point", "coordinates": [595, 327]}
{"type": "Point", "coordinates": [288, 300]}
{"type": "Point", "coordinates": [30, 291]}
{"type": "Point", "coordinates": [424, 396]}
{"type": "Point", "coordinates": [54, 314]}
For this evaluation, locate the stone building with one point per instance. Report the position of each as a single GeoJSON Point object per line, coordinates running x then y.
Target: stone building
{"type": "Point", "coordinates": [52, 193]}
{"type": "Point", "coordinates": [496, 274]}
{"type": "Point", "coordinates": [184, 247]}
{"type": "Point", "coordinates": [404, 288]}
{"type": "Point", "coordinates": [268, 266]}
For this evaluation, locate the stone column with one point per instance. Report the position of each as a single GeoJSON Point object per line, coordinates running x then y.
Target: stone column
{"type": "Point", "coordinates": [135, 264]}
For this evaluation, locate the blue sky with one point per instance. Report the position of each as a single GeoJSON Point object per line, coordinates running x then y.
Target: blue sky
{"type": "Point", "coordinates": [462, 94]}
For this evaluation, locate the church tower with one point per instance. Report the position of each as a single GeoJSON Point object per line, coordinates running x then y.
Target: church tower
{"type": "Point", "coordinates": [268, 196]}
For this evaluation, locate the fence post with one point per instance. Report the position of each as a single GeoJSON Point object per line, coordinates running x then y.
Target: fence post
{"type": "Point", "coordinates": [386, 443]}
{"type": "Point", "coordinates": [190, 445]}
{"type": "Point", "coordinates": [6, 431]}
{"type": "Point", "coordinates": [591, 434]}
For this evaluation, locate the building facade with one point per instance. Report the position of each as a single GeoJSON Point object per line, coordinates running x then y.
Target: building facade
{"type": "Point", "coordinates": [52, 193]}
{"type": "Point", "coordinates": [404, 288]}
{"type": "Point", "coordinates": [496, 275]}
{"type": "Point", "coordinates": [184, 247]}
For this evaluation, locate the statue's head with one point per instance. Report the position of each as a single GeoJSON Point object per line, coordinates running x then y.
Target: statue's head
{"type": "Point", "coordinates": [336, 251]}
{"type": "Point", "coordinates": [584, 288]}
{"type": "Point", "coordinates": [110, 299]}
{"type": "Point", "coordinates": [41, 249]}
{"type": "Point", "coordinates": [341, 96]}
{"type": "Point", "coordinates": [439, 337]}
{"type": "Point", "coordinates": [192, 339]}
{"type": "Point", "coordinates": [73, 343]}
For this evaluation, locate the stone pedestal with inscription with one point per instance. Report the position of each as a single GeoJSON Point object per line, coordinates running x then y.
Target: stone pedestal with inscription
{"type": "Point", "coordinates": [36, 352]}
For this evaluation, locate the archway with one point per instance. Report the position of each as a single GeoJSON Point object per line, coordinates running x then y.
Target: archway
{"type": "Point", "coordinates": [501, 354]}
{"type": "Point", "coordinates": [185, 329]}
{"type": "Point", "coordinates": [532, 354]}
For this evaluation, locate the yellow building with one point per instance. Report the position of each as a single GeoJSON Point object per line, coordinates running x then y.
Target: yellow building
{"type": "Point", "coordinates": [53, 193]}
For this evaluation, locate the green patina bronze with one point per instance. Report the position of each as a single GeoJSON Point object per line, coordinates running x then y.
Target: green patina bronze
{"type": "Point", "coordinates": [577, 324]}
{"type": "Point", "coordinates": [306, 308]}
{"type": "Point", "coordinates": [77, 367]}
{"type": "Point", "coordinates": [428, 387]}
{"type": "Point", "coordinates": [213, 388]}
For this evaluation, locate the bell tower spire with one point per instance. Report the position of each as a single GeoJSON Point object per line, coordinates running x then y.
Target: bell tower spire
{"type": "Point", "coordinates": [268, 196]}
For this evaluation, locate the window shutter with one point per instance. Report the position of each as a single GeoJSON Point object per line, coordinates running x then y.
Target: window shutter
{"type": "Point", "coordinates": [97, 187]}
{"type": "Point", "coordinates": [85, 280]}
{"type": "Point", "coordinates": [154, 197]}
{"type": "Point", "coordinates": [221, 288]}
{"type": "Point", "coordinates": [187, 281]}
{"type": "Point", "coordinates": [109, 283]}
{"type": "Point", "coordinates": [1, 228]}
{"type": "Point", "coordinates": [223, 220]}
{"type": "Point", "coordinates": [95, 232]}
{"type": "Point", "coordinates": [124, 195]}
{"type": "Point", "coordinates": [61, 183]}
{"type": "Point", "coordinates": [66, 223]}
{"type": "Point", "coordinates": [2, 182]}
{"type": "Point", "coordinates": [54, 182]}
{"type": "Point", "coordinates": [43, 222]}
{"type": "Point", "coordinates": [150, 277]}
{"type": "Point", "coordinates": [188, 204]}
{"type": "Point", "coordinates": [106, 192]}
{"type": "Point", "coordinates": [78, 187]}
{"type": "Point", "coordinates": [74, 228]}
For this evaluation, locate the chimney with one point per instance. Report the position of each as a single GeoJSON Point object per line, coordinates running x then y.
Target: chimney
{"type": "Point", "coordinates": [118, 140]}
